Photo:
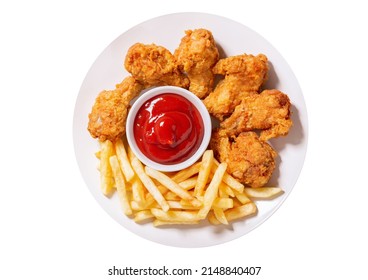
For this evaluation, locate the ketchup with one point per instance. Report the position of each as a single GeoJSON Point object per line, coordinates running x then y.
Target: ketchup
{"type": "Point", "coordinates": [168, 129]}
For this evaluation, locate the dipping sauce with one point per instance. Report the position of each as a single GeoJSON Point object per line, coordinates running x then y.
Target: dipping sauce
{"type": "Point", "coordinates": [168, 129]}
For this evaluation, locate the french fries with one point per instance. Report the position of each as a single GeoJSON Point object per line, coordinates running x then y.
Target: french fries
{"type": "Point", "coordinates": [122, 156]}
{"type": "Point", "coordinates": [204, 172]}
{"type": "Point", "coordinates": [203, 191]}
{"type": "Point", "coordinates": [168, 183]}
{"type": "Point", "coordinates": [149, 184]}
{"type": "Point", "coordinates": [107, 180]}
{"type": "Point", "coordinates": [263, 193]}
{"type": "Point", "coordinates": [212, 190]}
{"type": "Point", "coordinates": [120, 185]}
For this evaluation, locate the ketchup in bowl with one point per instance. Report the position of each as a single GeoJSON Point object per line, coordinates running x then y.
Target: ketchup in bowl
{"type": "Point", "coordinates": [168, 128]}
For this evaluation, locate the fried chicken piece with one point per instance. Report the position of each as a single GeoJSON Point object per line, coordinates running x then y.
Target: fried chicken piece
{"type": "Point", "coordinates": [268, 111]}
{"type": "Point", "coordinates": [109, 112]}
{"type": "Point", "coordinates": [244, 75]}
{"type": "Point", "coordinates": [249, 159]}
{"type": "Point", "coordinates": [154, 65]}
{"type": "Point", "coordinates": [196, 55]}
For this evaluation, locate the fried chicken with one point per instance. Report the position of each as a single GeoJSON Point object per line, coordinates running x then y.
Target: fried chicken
{"type": "Point", "coordinates": [109, 112]}
{"type": "Point", "coordinates": [244, 75]}
{"type": "Point", "coordinates": [249, 159]}
{"type": "Point", "coordinates": [196, 55]}
{"type": "Point", "coordinates": [154, 65]}
{"type": "Point", "coordinates": [268, 111]}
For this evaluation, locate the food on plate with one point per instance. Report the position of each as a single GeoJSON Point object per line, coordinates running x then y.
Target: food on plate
{"type": "Point", "coordinates": [249, 159]}
{"type": "Point", "coordinates": [268, 111]}
{"type": "Point", "coordinates": [120, 185]}
{"type": "Point", "coordinates": [169, 199]}
{"type": "Point", "coordinates": [168, 128]}
{"type": "Point", "coordinates": [109, 112]}
{"type": "Point", "coordinates": [122, 157]}
{"type": "Point", "coordinates": [235, 213]}
{"type": "Point", "coordinates": [224, 184]}
{"type": "Point", "coordinates": [212, 190]}
{"type": "Point", "coordinates": [244, 75]}
{"type": "Point", "coordinates": [169, 183]}
{"type": "Point", "coordinates": [196, 55]}
{"type": "Point", "coordinates": [154, 65]}
{"type": "Point", "coordinates": [149, 184]}
{"type": "Point", "coordinates": [204, 172]}
{"type": "Point", "coordinates": [107, 182]}
{"type": "Point", "coordinates": [262, 193]}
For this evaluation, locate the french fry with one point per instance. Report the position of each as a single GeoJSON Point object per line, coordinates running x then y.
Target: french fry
{"type": "Point", "coordinates": [175, 216]}
{"type": "Point", "coordinates": [212, 190]}
{"type": "Point", "coordinates": [106, 177]}
{"type": "Point", "coordinates": [189, 184]}
{"type": "Point", "coordinates": [229, 180]}
{"type": "Point", "coordinates": [241, 211]}
{"type": "Point", "coordinates": [143, 215]}
{"type": "Point", "coordinates": [178, 205]}
{"type": "Point", "coordinates": [233, 183]}
{"type": "Point", "coordinates": [220, 215]}
{"type": "Point", "coordinates": [195, 203]}
{"type": "Point", "coordinates": [234, 213]}
{"type": "Point", "coordinates": [186, 173]}
{"type": "Point", "coordinates": [171, 196]}
{"type": "Point", "coordinates": [225, 190]}
{"type": "Point", "coordinates": [222, 202]}
{"type": "Point", "coordinates": [136, 206]}
{"type": "Point", "coordinates": [242, 197]}
{"type": "Point", "coordinates": [120, 185]}
{"type": "Point", "coordinates": [212, 218]}
{"type": "Point", "coordinates": [122, 156]}
{"type": "Point", "coordinates": [263, 193]}
{"type": "Point", "coordinates": [131, 155]}
{"type": "Point", "coordinates": [148, 183]}
{"type": "Point", "coordinates": [158, 223]}
{"type": "Point", "coordinates": [204, 172]}
{"type": "Point", "coordinates": [138, 191]}
{"type": "Point", "coordinates": [203, 190]}
{"type": "Point", "coordinates": [168, 183]}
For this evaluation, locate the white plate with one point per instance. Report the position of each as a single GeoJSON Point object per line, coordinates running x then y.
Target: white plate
{"type": "Point", "coordinates": [233, 39]}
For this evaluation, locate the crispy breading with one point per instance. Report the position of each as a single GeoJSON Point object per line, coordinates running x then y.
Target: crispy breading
{"type": "Point", "coordinates": [154, 65]}
{"type": "Point", "coordinates": [249, 159]}
{"type": "Point", "coordinates": [244, 75]}
{"type": "Point", "coordinates": [268, 111]}
{"type": "Point", "coordinates": [109, 112]}
{"type": "Point", "coordinates": [196, 55]}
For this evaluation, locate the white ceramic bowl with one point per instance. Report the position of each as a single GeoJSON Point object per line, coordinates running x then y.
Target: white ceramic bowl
{"type": "Point", "coordinates": [191, 98]}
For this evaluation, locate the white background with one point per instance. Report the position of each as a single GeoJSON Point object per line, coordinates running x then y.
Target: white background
{"type": "Point", "coordinates": [51, 226]}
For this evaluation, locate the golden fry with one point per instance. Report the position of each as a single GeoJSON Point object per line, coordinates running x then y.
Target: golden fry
{"type": "Point", "coordinates": [220, 215]}
{"type": "Point", "coordinates": [241, 211]}
{"type": "Point", "coordinates": [204, 172]}
{"type": "Point", "coordinates": [189, 184]}
{"type": "Point", "coordinates": [212, 190]}
{"type": "Point", "coordinates": [149, 184]}
{"type": "Point", "coordinates": [144, 215]}
{"type": "Point", "coordinates": [222, 202]}
{"type": "Point", "coordinates": [158, 223]}
{"type": "Point", "coordinates": [263, 192]}
{"type": "Point", "coordinates": [175, 216]}
{"type": "Point", "coordinates": [107, 180]}
{"type": "Point", "coordinates": [229, 180]}
{"type": "Point", "coordinates": [122, 156]}
{"type": "Point", "coordinates": [120, 185]}
{"type": "Point", "coordinates": [138, 191]}
{"type": "Point", "coordinates": [219, 197]}
{"type": "Point", "coordinates": [186, 173]}
{"type": "Point", "coordinates": [168, 183]}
